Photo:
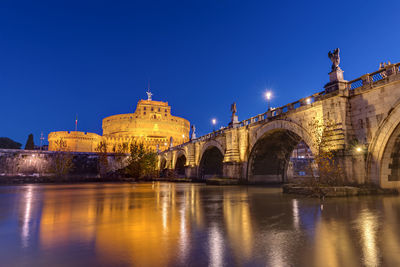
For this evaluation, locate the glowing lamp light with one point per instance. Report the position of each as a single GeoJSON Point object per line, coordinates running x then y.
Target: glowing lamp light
{"type": "Point", "coordinates": [359, 149]}
{"type": "Point", "coordinates": [308, 101]}
{"type": "Point", "coordinates": [214, 121]}
{"type": "Point", "coordinates": [268, 95]}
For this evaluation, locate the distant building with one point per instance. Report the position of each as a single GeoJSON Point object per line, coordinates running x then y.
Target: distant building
{"type": "Point", "coordinates": [151, 124]}
{"type": "Point", "coordinates": [43, 147]}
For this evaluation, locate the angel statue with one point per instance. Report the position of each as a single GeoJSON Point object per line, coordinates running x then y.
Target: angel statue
{"type": "Point", "coordinates": [233, 109]}
{"type": "Point", "coordinates": [335, 58]}
{"type": "Point", "coordinates": [149, 95]}
{"type": "Point", "coordinates": [193, 132]}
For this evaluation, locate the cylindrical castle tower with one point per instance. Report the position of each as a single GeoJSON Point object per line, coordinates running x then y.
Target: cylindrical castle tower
{"type": "Point", "coordinates": [151, 124]}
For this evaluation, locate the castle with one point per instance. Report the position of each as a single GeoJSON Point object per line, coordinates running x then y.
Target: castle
{"type": "Point", "coordinates": [151, 124]}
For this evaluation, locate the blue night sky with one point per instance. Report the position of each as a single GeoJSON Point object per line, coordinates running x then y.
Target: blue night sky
{"type": "Point", "coordinates": [95, 58]}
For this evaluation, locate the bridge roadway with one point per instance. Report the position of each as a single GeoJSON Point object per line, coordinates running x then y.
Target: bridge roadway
{"type": "Point", "coordinates": [366, 116]}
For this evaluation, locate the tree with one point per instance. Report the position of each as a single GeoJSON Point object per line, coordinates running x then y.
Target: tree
{"type": "Point", "coordinates": [101, 150]}
{"type": "Point", "coordinates": [120, 155]}
{"type": "Point", "coordinates": [323, 133]}
{"type": "Point", "coordinates": [61, 163]}
{"type": "Point", "coordinates": [142, 161]}
{"type": "Point", "coordinates": [30, 145]}
{"type": "Point", "coordinates": [8, 143]}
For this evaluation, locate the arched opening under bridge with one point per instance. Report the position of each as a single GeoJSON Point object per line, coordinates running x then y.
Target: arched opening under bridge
{"type": "Point", "coordinates": [211, 163]}
{"type": "Point", "coordinates": [280, 156]}
{"type": "Point", "coordinates": [180, 165]}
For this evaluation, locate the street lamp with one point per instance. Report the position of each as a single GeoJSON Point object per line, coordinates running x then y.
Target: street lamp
{"type": "Point", "coordinates": [268, 96]}
{"type": "Point", "coordinates": [214, 122]}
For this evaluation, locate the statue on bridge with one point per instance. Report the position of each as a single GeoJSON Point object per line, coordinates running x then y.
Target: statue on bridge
{"type": "Point", "coordinates": [234, 119]}
{"type": "Point", "coordinates": [336, 75]}
{"type": "Point", "coordinates": [193, 136]}
{"type": "Point", "coordinates": [335, 58]}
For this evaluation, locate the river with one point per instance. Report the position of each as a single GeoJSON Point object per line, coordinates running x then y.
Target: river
{"type": "Point", "coordinates": [169, 224]}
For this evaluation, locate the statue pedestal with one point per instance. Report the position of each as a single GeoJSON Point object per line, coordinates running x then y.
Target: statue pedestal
{"type": "Point", "coordinates": [234, 121]}
{"type": "Point", "coordinates": [336, 75]}
{"type": "Point", "coordinates": [336, 81]}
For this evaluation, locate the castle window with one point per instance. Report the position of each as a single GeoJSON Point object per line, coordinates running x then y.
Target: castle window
{"type": "Point", "coordinates": [152, 109]}
{"type": "Point", "coordinates": [159, 109]}
{"type": "Point", "coordinates": [144, 108]}
{"type": "Point", "coordinates": [144, 113]}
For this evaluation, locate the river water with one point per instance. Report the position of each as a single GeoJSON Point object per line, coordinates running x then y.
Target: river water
{"type": "Point", "coordinates": [167, 224]}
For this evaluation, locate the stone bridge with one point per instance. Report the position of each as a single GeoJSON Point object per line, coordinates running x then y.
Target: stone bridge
{"type": "Point", "coordinates": [366, 139]}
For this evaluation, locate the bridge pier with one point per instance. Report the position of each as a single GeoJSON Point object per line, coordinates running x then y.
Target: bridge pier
{"type": "Point", "coordinates": [232, 170]}
{"type": "Point", "coordinates": [191, 172]}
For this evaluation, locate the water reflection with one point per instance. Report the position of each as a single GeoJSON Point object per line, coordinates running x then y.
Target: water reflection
{"type": "Point", "coordinates": [27, 216]}
{"type": "Point", "coordinates": [162, 224]}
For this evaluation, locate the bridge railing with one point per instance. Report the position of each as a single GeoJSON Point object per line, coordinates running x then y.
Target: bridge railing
{"type": "Point", "coordinates": [274, 112]}
{"type": "Point", "coordinates": [376, 76]}
{"type": "Point", "coordinates": [270, 114]}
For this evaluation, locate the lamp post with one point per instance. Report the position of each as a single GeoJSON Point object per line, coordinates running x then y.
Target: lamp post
{"type": "Point", "coordinates": [214, 122]}
{"type": "Point", "coordinates": [268, 96]}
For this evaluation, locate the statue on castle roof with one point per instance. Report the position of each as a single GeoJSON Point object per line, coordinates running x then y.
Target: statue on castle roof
{"type": "Point", "coordinates": [335, 58]}
{"type": "Point", "coordinates": [149, 94]}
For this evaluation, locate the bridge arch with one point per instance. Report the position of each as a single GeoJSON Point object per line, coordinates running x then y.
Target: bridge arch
{"type": "Point", "coordinates": [211, 161]}
{"type": "Point", "coordinates": [383, 159]}
{"type": "Point", "coordinates": [180, 163]}
{"type": "Point", "coordinates": [271, 148]}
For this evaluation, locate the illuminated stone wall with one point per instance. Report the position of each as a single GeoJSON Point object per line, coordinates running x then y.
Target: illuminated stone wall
{"type": "Point", "coordinates": [151, 124]}
{"type": "Point", "coordinates": [75, 141]}
{"type": "Point", "coordinates": [32, 164]}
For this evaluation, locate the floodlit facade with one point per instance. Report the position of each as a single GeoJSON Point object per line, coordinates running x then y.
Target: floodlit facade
{"type": "Point", "coordinates": [151, 124]}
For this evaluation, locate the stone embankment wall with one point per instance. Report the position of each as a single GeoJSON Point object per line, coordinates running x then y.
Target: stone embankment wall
{"type": "Point", "coordinates": [39, 164]}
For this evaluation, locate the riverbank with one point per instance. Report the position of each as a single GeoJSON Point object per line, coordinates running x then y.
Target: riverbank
{"type": "Point", "coordinates": [294, 189]}
{"type": "Point", "coordinates": [337, 191]}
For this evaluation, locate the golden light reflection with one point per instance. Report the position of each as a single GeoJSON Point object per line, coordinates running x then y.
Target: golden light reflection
{"type": "Point", "coordinates": [147, 225]}
{"type": "Point", "coordinates": [162, 224]}
{"type": "Point", "coordinates": [368, 229]}
{"type": "Point", "coordinates": [216, 246]}
{"type": "Point", "coordinates": [295, 210]}
{"type": "Point", "coordinates": [27, 216]}
{"type": "Point", "coordinates": [238, 222]}
{"type": "Point", "coordinates": [333, 244]}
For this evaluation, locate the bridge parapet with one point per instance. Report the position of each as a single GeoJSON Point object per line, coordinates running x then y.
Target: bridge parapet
{"type": "Point", "coordinates": [377, 76]}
